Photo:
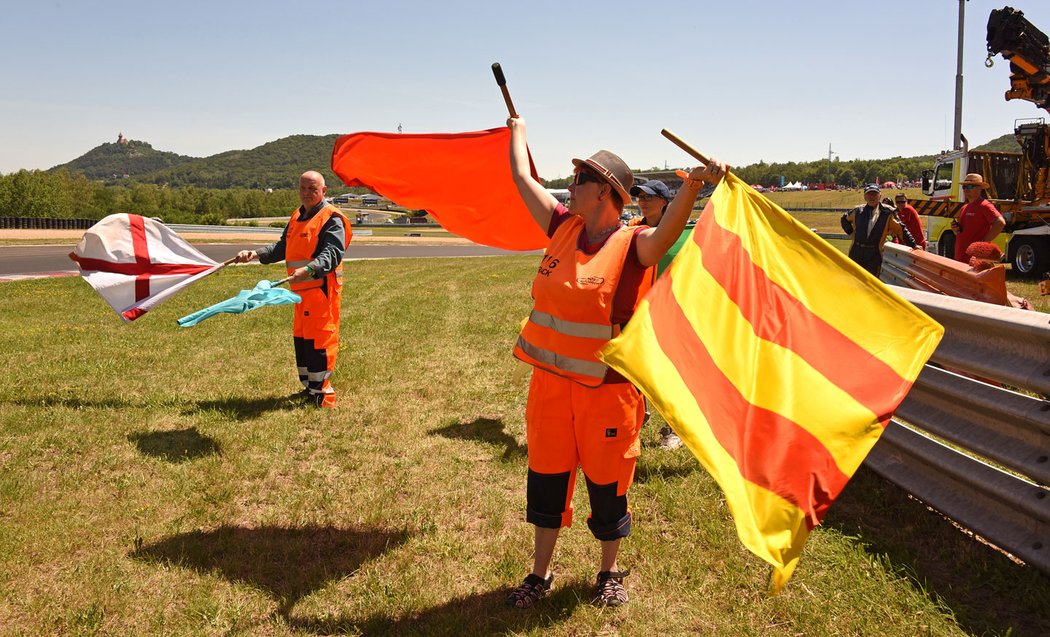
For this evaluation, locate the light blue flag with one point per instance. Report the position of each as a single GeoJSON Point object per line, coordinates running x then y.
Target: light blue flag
{"type": "Point", "coordinates": [264, 293]}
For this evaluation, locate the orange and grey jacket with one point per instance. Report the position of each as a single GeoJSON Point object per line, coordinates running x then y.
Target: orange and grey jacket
{"type": "Point", "coordinates": [303, 243]}
{"type": "Point", "coordinates": [321, 235]}
{"type": "Point", "coordinates": [572, 316]}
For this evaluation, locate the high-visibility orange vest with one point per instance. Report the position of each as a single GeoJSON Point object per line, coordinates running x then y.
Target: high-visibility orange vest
{"type": "Point", "coordinates": [300, 244]}
{"type": "Point", "coordinates": [572, 316]}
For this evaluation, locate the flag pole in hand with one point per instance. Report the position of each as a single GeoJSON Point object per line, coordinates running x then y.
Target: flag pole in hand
{"type": "Point", "coordinates": [679, 142]}
{"type": "Point", "coordinates": [502, 81]}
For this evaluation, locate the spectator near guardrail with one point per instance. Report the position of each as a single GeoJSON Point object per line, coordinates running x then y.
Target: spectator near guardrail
{"type": "Point", "coordinates": [910, 218]}
{"type": "Point", "coordinates": [979, 220]}
{"type": "Point", "coordinates": [869, 225]}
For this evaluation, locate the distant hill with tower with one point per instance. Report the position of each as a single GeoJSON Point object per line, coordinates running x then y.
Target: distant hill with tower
{"type": "Point", "coordinates": [276, 164]}
{"type": "Point", "coordinates": [123, 159]}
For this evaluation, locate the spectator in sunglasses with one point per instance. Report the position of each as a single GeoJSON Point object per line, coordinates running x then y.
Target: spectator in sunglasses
{"type": "Point", "coordinates": [652, 197]}
{"type": "Point", "coordinates": [978, 220]}
{"type": "Point", "coordinates": [581, 414]}
{"type": "Point", "coordinates": [910, 218]}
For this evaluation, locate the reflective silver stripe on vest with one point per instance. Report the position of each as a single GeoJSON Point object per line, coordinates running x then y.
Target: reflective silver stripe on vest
{"type": "Point", "coordinates": [292, 265]}
{"type": "Point", "coordinates": [571, 328]}
{"type": "Point", "coordinates": [593, 369]}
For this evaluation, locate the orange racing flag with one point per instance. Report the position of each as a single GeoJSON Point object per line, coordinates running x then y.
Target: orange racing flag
{"type": "Point", "coordinates": [777, 360]}
{"type": "Point", "coordinates": [462, 179]}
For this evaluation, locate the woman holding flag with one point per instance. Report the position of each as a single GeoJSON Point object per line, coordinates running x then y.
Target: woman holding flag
{"type": "Point", "coordinates": [580, 413]}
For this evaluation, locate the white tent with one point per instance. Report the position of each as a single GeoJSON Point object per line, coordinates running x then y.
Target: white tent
{"type": "Point", "coordinates": [794, 186]}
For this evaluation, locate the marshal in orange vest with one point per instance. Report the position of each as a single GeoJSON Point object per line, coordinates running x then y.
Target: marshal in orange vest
{"type": "Point", "coordinates": [315, 327]}
{"type": "Point", "coordinates": [572, 316]}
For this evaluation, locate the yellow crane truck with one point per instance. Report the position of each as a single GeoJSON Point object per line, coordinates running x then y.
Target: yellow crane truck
{"type": "Point", "coordinates": [1018, 181]}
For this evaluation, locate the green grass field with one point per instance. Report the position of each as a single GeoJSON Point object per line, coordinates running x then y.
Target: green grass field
{"type": "Point", "coordinates": [158, 480]}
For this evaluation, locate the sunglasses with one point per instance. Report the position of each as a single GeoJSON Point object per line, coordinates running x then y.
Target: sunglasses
{"type": "Point", "coordinates": [582, 177]}
{"type": "Point", "coordinates": [901, 200]}
{"type": "Point", "coordinates": [970, 186]}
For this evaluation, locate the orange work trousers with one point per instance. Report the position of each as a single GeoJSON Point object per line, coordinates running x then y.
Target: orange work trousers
{"type": "Point", "coordinates": [596, 429]}
{"type": "Point", "coordinates": [315, 333]}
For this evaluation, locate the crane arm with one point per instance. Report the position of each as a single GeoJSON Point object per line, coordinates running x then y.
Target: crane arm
{"type": "Point", "coordinates": [1028, 51]}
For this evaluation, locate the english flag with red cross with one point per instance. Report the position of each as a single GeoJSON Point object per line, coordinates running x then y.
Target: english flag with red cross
{"type": "Point", "coordinates": [136, 263]}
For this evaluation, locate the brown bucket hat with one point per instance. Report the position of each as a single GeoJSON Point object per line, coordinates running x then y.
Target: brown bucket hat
{"type": "Point", "coordinates": [609, 165]}
{"type": "Point", "coordinates": [975, 179]}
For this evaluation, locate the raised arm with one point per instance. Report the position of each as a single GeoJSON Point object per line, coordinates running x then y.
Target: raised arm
{"type": "Point", "coordinates": [653, 243]}
{"type": "Point", "coordinates": [540, 203]}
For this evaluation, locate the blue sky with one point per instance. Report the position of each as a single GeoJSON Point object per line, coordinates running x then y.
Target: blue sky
{"type": "Point", "coordinates": [745, 81]}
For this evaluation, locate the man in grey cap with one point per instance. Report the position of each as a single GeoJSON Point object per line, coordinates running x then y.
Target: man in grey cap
{"type": "Point", "coordinates": [868, 226]}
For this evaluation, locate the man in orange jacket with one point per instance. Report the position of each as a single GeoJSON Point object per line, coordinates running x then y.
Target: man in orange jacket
{"type": "Point", "coordinates": [312, 246]}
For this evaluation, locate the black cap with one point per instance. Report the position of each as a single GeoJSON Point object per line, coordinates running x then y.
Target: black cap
{"type": "Point", "coordinates": [652, 187]}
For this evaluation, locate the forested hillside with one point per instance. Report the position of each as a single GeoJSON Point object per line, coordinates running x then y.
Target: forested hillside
{"type": "Point", "coordinates": [279, 163]}
{"type": "Point", "coordinates": [1005, 144]}
{"type": "Point", "coordinates": [134, 177]}
{"type": "Point", "coordinates": [118, 161]}
{"type": "Point", "coordinates": [276, 164]}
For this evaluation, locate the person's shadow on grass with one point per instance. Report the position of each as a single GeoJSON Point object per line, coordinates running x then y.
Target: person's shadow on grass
{"type": "Point", "coordinates": [78, 402]}
{"type": "Point", "coordinates": [486, 430]}
{"type": "Point", "coordinates": [477, 614]}
{"type": "Point", "coordinates": [242, 409]}
{"type": "Point", "coordinates": [287, 563]}
{"type": "Point", "coordinates": [180, 445]}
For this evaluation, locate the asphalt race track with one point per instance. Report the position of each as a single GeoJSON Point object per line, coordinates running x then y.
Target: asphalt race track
{"type": "Point", "coordinates": [23, 261]}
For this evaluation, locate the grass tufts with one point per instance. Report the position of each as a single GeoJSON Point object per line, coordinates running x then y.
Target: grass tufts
{"type": "Point", "coordinates": [163, 480]}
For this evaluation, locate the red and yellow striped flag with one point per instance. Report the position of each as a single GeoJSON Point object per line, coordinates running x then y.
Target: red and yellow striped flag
{"type": "Point", "coordinates": [777, 360]}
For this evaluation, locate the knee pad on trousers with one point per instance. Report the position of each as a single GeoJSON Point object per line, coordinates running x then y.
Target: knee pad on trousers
{"type": "Point", "coordinates": [610, 518]}
{"type": "Point", "coordinates": [545, 498]}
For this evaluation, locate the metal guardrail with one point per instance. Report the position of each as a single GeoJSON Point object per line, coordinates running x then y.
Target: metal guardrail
{"type": "Point", "coordinates": [994, 341]}
{"type": "Point", "coordinates": [182, 227]}
{"type": "Point", "coordinates": [992, 473]}
{"type": "Point", "coordinates": [45, 223]}
{"type": "Point", "coordinates": [187, 227]}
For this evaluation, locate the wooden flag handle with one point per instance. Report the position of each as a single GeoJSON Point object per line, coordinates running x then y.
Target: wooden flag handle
{"type": "Point", "coordinates": [679, 142]}
{"type": "Point", "coordinates": [502, 82]}
{"type": "Point", "coordinates": [281, 282]}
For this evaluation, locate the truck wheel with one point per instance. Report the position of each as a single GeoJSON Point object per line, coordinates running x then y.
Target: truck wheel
{"type": "Point", "coordinates": [1030, 256]}
{"type": "Point", "coordinates": [946, 245]}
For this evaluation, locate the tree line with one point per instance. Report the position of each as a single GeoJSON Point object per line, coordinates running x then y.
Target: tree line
{"type": "Point", "coordinates": [65, 195]}
{"type": "Point", "coordinates": [232, 185]}
{"type": "Point", "coordinates": [841, 173]}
